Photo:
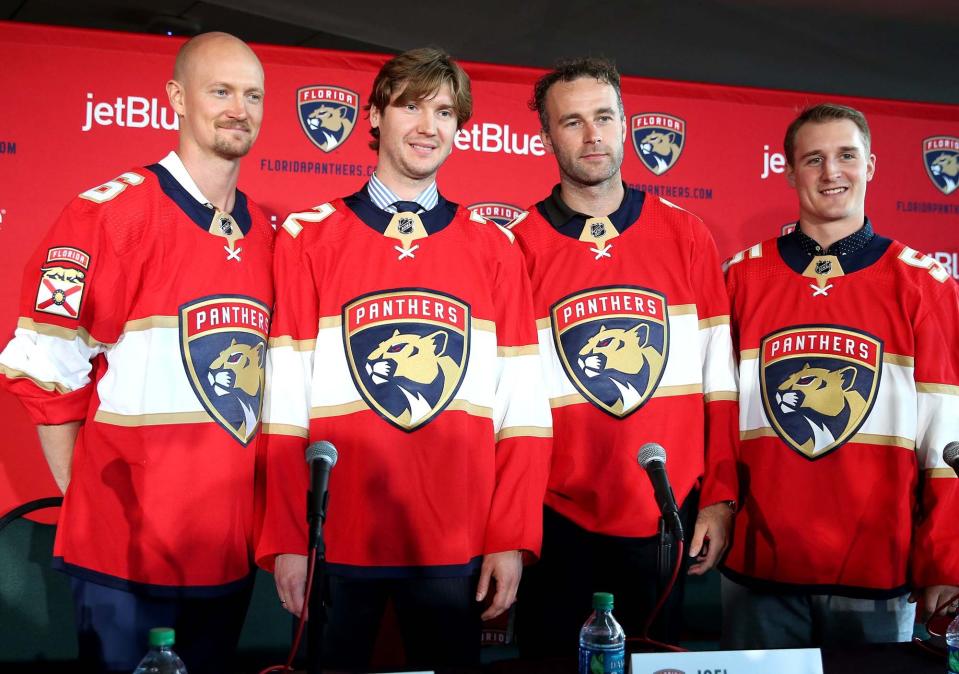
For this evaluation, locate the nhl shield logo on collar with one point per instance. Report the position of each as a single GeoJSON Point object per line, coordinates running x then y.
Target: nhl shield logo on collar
{"type": "Point", "coordinates": [327, 114]}
{"type": "Point", "coordinates": [818, 384]}
{"type": "Point", "coordinates": [658, 139]}
{"type": "Point", "coordinates": [613, 343]}
{"type": "Point", "coordinates": [223, 346]}
{"type": "Point", "coordinates": [940, 155]}
{"type": "Point", "coordinates": [407, 349]}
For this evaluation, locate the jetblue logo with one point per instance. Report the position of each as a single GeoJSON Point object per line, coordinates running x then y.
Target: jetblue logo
{"type": "Point", "coordinates": [135, 112]}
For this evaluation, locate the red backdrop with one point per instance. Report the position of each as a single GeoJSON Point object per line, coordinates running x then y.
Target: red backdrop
{"type": "Point", "coordinates": [83, 106]}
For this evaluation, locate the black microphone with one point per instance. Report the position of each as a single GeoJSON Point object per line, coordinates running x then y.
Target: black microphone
{"type": "Point", "coordinates": [652, 457]}
{"type": "Point", "coordinates": [950, 454]}
{"type": "Point", "coordinates": [321, 457]}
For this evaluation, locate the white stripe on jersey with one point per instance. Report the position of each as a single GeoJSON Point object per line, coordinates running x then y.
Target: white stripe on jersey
{"type": "Point", "coordinates": [64, 363]}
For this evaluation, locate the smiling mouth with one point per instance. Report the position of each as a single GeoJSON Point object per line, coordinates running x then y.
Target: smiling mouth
{"type": "Point", "coordinates": [833, 191]}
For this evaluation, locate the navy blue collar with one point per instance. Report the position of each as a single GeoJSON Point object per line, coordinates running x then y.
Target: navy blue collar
{"type": "Point", "coordinates": [846, 245]}
{"type": "Point", "coordinates": [568, 222]}
{"type": "Point", "coordinates": [863, 248]}
{"type": "Point", "coordinates": [201, 214]}
{"type": "Point", "coordinates": [434, 220]}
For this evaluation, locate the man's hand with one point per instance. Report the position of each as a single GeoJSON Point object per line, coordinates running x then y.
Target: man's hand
{"type": "Point", "coordinates": [506, 568]}
{"type": "Point", "coordinates": [929, 599]}
{"type": "Point", "coordinates": [57, 443]}
{"type": "Point", "coordinates": [289, 574]}
{"type": "Point", "coordinates": [714, 523]}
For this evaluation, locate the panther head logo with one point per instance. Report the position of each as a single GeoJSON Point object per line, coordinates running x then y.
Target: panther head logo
{"type": "Point", "coordinates": [661, 148]}
{"type": "Point", "coordinates": [418, 367]}
{"type": "Point", "coordinates": [333, 122]}
{"type": "Point", "coordinates": [623, 356]}
{"type": "Point", "coordinates": [238, 372]}
{"type": "Point", "coordinates": [946, 167]}
{"type": "Point", "coordinates": [826, 400]}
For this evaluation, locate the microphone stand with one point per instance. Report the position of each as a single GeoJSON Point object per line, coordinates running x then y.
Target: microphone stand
{"type": "Point", "coordinates": [317, 621]}
{"type": "Point", "coordinates": [665, 556]}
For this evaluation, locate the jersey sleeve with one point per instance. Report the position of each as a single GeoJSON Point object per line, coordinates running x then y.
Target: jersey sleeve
{"type": "Point", "coordinates": [521, 416]}
{"type": "Point", "coordinates": [720, 386]}
{"type": "Point", "coordinates": [935, 552]}
{"type": "Point", "coordinates": [71, 309]}
{"type": "Point", "coordinates": [283, 475]}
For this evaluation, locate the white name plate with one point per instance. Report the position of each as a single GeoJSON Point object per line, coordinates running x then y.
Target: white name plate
{"type": "Point", "coordinates": [782, 661]}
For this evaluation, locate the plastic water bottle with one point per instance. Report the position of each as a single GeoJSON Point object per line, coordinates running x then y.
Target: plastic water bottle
{"type": "Point", "coordinates": [602, 642]}
{"type": "Point", "coordinates": [161, 659]}
{"type": "Point", "coordinates": [952, 646]}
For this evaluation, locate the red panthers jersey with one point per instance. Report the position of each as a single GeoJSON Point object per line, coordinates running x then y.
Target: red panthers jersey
{"type": "Point", "coordinates": [849, 379]}
{"type": "Point", "coordinates": [144, 314]}
{"type": "Point", "coordinates": [408, 342]}
{"type": "Point", "coordinates": [634, 329]}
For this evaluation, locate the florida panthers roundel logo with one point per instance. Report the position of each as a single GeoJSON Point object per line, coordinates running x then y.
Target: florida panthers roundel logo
{"type": "Point", "coordinates": [818, 384]}
{"type": "Point", "coordinates": [223, 346]}
{"type": "Point", "coordinates": [407, 350]}
{"type": "Point", "coordinates": [613, 343]}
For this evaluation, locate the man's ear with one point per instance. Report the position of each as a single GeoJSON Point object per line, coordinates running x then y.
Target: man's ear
{"type": "Point", "coordinates": [174, 91]}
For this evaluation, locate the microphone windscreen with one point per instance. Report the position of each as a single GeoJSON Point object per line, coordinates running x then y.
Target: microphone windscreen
{"type": "Point", "coordinates": [322, 450]}
{"type": "Point", "coordinates": [651, 451]}
{"type": "Point", "coordinates": [951, 455]}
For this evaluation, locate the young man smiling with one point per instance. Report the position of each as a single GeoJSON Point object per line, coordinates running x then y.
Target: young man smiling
{"type": "Point", "coordinates": [423, 373]}
{"type": "Point", "coordinates": [850, 390]}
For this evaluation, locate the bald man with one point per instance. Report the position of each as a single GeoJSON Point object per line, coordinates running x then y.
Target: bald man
{"type": "Point", "coordinates": [139, 354]}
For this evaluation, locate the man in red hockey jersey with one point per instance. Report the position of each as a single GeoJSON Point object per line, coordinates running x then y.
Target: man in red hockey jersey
{"type": "Point", "coordinates": [404, 334]}
{"type": "Point", "coordinates": [633, 326]}
{"type": "Point", "coordinates": [162, 278]}
{"type": "Point", "coordinates": [849, 392]}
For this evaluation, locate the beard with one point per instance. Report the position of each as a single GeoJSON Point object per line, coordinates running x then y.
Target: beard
{"type": "Point", "coordinates": [228, 147]}
{"type": "Point", "coordinates": [590, 176]}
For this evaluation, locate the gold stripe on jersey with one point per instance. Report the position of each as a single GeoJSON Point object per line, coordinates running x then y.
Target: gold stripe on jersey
{"type": "Point", "coordinates": [861, 438]}
{"type": "Point", "coordinates": [749, 354]}
{"type": "Point", "coordinates": [887, 440]}
{"type": "Point", "coordinates": [56, 331]}
{"type": "Point", "coordinates": [757, 433]}
{"type": "Point", "coordinates": [721, 395]}
{"type": "Point", "coordinates": [510, 351]}
{"type": "Point", "coordinates": [151, 322]}
{"type": "Point", "coordinates": [155, 419]}
{"type": "Point", "coordinates": [524, 432]}
{"type": "Point", "coordinates": [681, 309]}
{"type": "Point", "coordinates": [10, 373]}
{"type": "Point", "coordinates": [484, 325]}
{"type": "Point", "coordinates": [895, 359]}
{"type": "Point", "coordinates": [331, 322]}
{"type": "Point", "coordinates": [571, 399]}
{"type": "Point", "coordinates": [713, 322]}
{"type": "Point", "coordinates": [682, 390]}
{"type": "Point", "coordinates": [461, 405]}
{"type": "Point", "coordinates": [543, 324]}
{"type": "Point", "coordinates": [325, 411]}
{"type": "Point", "coordinates": [945, 389]}
{"type": "Point", "coordinates": [940, 472]}
{"type": "Point", "coordinates": [295, 344]}
{"type": "Point", "coordinates": [285, 429]}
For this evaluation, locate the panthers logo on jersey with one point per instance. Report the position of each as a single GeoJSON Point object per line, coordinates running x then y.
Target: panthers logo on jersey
{"type": "Point", "coordinates": [658, 139]}
{"type": "Point", "coordinates": [407, 350]}
{"type": "Point", "coordinates": [818, 384]}
{"type": "Point", "coordinates": [613, 342]}
{"type": "Point", "coordinates": [940, 155]}
{"type": "Point", "coordinates": [327, 114]}
{"type": "Point", "coordinates": [223, 346]}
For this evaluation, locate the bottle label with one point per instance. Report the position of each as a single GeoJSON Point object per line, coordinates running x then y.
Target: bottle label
{"type": "Point", "coordinates": [596, 661]}
{"type": "Point", "coordinates": [953, 660]}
